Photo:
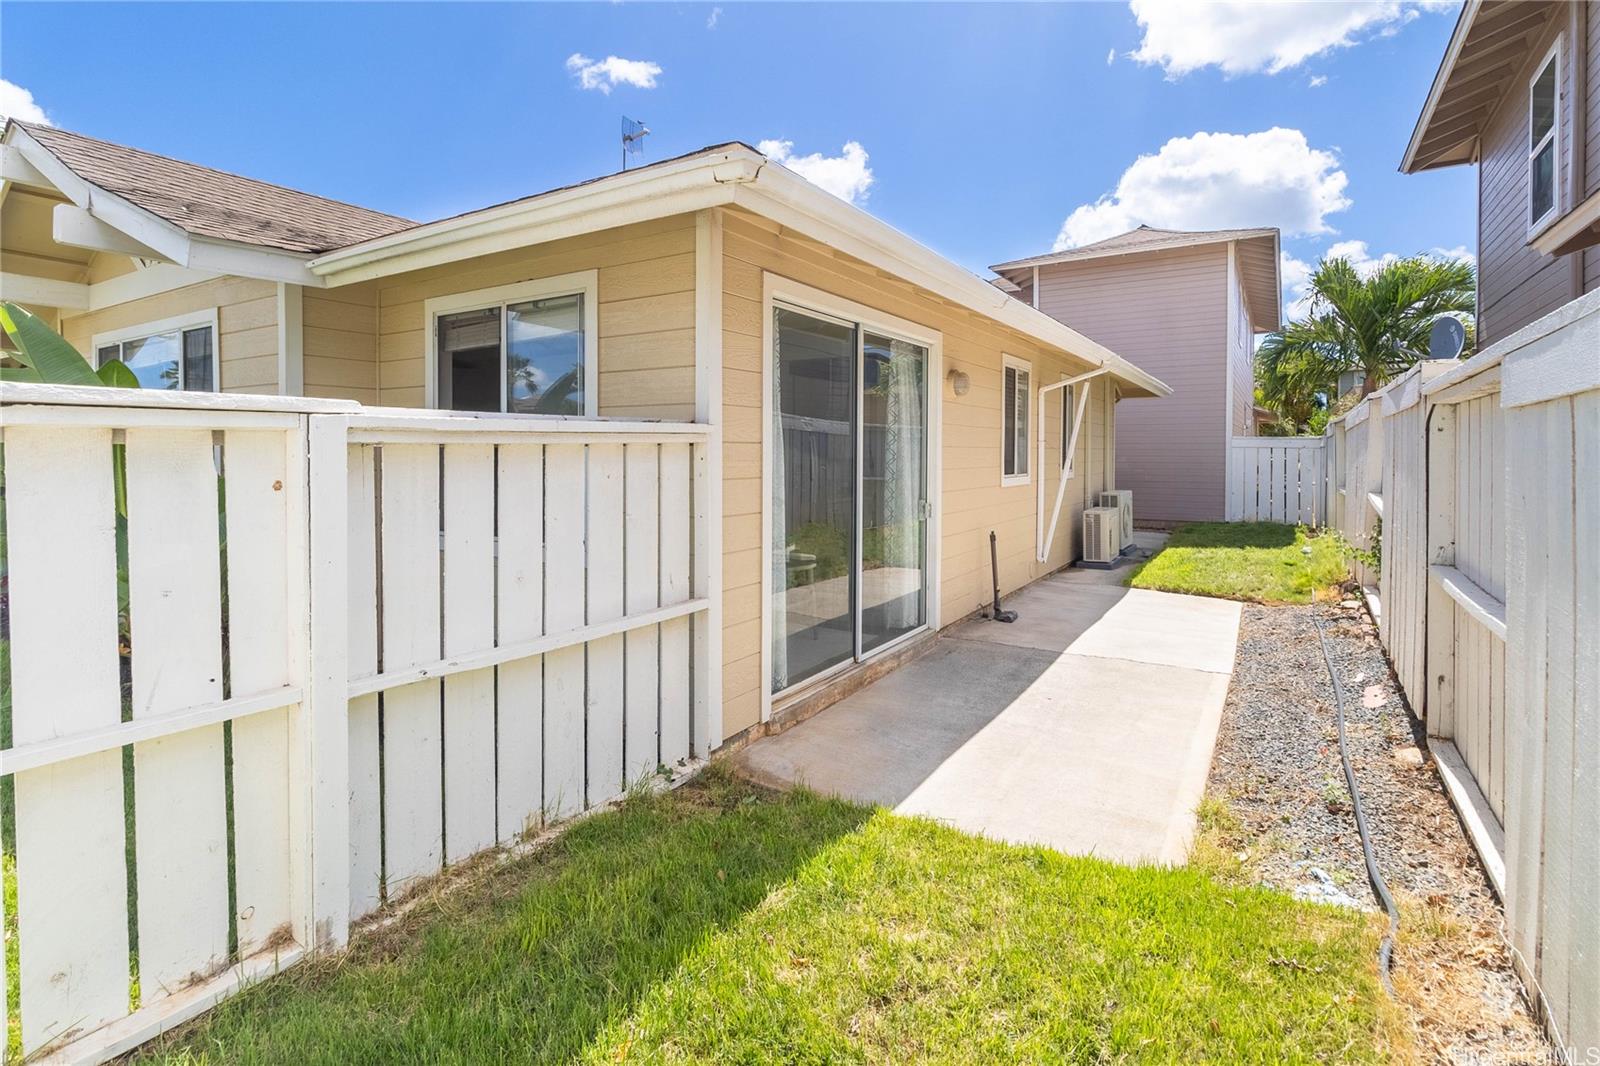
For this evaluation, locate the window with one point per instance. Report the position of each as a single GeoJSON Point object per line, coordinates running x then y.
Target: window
{"type": "Point", "coordinates": [521, 348]}
{"type": "Point", "coordinates": [176, 353]}
{"type": "Point", "coordinates": [1015, 395]}
{"type": "Point", "coordinates": [1544, 139]}
{"type": "Point", "coordinates": [1066, 420]}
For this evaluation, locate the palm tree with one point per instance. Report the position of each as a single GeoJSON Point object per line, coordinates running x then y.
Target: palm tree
{"type": "Point", "coordinates": [1377, 325]}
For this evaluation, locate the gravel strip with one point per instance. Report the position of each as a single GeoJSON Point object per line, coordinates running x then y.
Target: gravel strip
{"type": "Point", "coordinates": [1277, 767]}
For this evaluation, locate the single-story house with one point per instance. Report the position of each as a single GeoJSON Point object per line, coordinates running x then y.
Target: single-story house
{"type": "Point", "coordinates": [1186, 306]}
{"type": "Point", "coordinates": [878, 405]}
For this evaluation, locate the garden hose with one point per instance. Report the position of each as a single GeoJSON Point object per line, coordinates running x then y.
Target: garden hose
{"type": "Point", "coordinates": [1380, 888]}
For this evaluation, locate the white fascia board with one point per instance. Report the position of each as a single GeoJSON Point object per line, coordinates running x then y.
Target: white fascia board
{"type": "Point", "coordinates": [75, 227]}
{"type": "Point", "coordinates": [692, 184]}
{"type": "Point", "coordinates": [251, 261]}
{"type": "Point", "coordinates": [1458, 39]}
{"type": "Point", "coordinates": [44, 292]}
{"type": "Point", "coordinates": [15, 168]}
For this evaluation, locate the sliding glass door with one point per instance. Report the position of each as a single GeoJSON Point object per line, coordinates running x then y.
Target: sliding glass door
{"type": "Point", "coordinates": [849, 493]}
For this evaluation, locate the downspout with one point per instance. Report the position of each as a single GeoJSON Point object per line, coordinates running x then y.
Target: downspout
{"type": "Point", "coordinates": [1578, 150]}
{"type": "Point", "coordinates": [1043, 540]}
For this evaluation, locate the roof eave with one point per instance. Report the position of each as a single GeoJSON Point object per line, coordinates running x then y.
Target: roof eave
{"type": "Point", "coordinates": [1458, 39]}
{"type": "Point", "coordinates": [737, 176]}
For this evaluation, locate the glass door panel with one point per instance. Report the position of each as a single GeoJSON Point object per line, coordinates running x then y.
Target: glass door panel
{"type": "Point", "coordinates": [894, 549]}
{"type": "Point", "coordinates": [813, 496]}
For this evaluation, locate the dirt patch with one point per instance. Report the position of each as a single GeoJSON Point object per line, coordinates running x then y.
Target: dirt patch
{"type": "Point", "coordinates": [1278, 814]}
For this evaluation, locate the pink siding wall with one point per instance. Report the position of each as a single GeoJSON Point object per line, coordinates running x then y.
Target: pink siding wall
{"type": "Point", "coordinates": [1167, 313]}
{"type": "Point", "coordinates": [1241, 356]}
{"type": "Point", "coordinates": [1517, 283]}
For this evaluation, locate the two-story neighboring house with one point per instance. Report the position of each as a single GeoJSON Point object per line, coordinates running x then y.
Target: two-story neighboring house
{"type": "Point", "coordinates": [1186, 304]}
{"type": "Point", "coordinates": [1518, 94]}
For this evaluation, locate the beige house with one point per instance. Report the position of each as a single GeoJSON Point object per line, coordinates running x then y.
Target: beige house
{"type": "Point", "coordinates": [1185, 305]}
{"type": "Point", "coordinates": [877, 405]}
{"type": "Point", "coordinates": [1518, 94]}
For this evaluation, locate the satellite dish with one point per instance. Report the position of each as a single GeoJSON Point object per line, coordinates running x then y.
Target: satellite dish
{"type": "Point", "coordinates": [1447, 338]}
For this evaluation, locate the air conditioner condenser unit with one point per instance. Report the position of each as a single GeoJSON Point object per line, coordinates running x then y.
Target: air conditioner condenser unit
{"type": "Point", "coordinates": [1102, 531]}
{"type": "Point", "coordinates": [1122, 500]}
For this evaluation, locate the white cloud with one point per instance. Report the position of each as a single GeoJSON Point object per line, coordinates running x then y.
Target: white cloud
{"type": "Point", "coordinates": [1296, 273]}
{"type": "Point", "coordinates": [1111, 56]}
{"type": "Point", "coordinates": [17, 102]}
{"type": "Point", "coordinates": [1318, 80]}
{"type": "Point", "coordinates": [1219, 181]}
{"type": "Point", "coordinates": [606, 74]}
{"type": "Point", "coordinates": [711, 20]}
{"type": "Point", "coordinates": [846, 175]}
{"type": "Point", "coordinates": [1249, 36]}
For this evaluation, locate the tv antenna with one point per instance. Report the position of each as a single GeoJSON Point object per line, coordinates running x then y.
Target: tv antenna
{"type": "Point", "coordinates": [633, 135]}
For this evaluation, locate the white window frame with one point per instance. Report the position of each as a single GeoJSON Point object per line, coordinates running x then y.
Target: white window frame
{"type": "Point", "coordinates": [584, 283]}
{"type": "Point", "coordinates": [206, 316]}
{"type": "Point", "coordinates": [1022, 366]}
{"type": "Point", "coordinates": [1553, 138]}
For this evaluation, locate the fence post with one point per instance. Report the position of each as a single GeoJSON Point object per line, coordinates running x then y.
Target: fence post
{"type": "Point", "coordinates": [323, 766]}
{"type": "Point", "coordinates": [1439, 617]}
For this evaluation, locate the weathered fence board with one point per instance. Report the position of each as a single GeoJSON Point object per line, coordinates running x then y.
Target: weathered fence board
{"type": "Point", "coordinates": [1498, 591]}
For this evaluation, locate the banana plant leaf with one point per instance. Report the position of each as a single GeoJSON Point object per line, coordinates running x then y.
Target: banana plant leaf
{"type": "Point", "coordinates": [43, 349]}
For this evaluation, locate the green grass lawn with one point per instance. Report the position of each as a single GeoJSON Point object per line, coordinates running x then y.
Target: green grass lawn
{"type": "Point", "coordinates": [725, 923]}
{"type": "Point", "coordinates": [1259, 561]}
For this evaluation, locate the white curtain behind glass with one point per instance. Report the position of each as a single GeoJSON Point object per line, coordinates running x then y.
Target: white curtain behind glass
{"type": "Point", "coordinates": [904, 476]}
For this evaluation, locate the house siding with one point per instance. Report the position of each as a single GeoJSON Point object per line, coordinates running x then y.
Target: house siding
{"type": "Point", "coordinates": [1517, 283]}
{"type": "Point", "coordinates": [340, 342]}
{"type": "Point", "coordinates": [1167, 313]}
{"type": "Point", "coordinates": [247, 326]}
{"type": "Point", "coordinates": [646, 314]}
{"type": "Point", "coordinates": [971, 499]}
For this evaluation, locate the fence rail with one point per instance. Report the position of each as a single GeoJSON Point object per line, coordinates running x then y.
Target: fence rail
{"type": "Point", "coordinates": [1277, 479]}
{"type": "Point", "coordinates": [1485, 476]}
{"type": "Point", "coordinates": [272, 662]}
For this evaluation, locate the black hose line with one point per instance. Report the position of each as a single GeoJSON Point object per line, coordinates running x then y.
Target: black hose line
{"type": "Point", "coordinates": [1380, 888]}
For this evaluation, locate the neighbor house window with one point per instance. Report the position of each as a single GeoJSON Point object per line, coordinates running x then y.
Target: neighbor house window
{"type": "Point", "coordinates": [1066, 422]}
{"type": "Point", "coordinates": [178, 353]}
{"type": "Point", "coordinates": [1017, 386]}
{"type": "Point", "coordinates": [524, 348]}
{"type": "Point", "coordinates": [1544, 139]}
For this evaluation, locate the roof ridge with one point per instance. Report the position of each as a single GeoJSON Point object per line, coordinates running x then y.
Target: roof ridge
{"type": "Point", "coordinates": [31, 126]}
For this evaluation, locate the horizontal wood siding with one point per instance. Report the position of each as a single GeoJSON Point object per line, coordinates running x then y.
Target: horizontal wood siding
{"type": "Point", "coordinates": [646, 313]}
{"type": "Point", "coordinates": [973, 502]}
{"type": "Point", "coordinates": [341, 342]}
{"type": "Point", "coordinates": [1167, 313]}
{"type": "Point", "coordinates": [247, 321]}
{"type": "Point", "coordinates": [1517, 283]}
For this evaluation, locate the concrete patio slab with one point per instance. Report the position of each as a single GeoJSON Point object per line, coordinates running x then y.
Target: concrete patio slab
{"type": "Point", "coordinates": [1086, 726]}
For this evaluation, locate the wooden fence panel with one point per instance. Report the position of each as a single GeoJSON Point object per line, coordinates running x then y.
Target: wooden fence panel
{"type": "Point", "coordinates": [482, 622]}
{"type": "Point", "coordinates": [71, 866]}
{"type": "Point", "coordinates": [1277, 479]}
{"type": "Point", "coordinates": [1505, 451]}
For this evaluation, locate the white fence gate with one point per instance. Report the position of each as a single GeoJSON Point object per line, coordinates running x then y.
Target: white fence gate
{"type": "Point", "coordinates": [273, 661]}
{"type": "Point", "coordinates": [1277, 479]}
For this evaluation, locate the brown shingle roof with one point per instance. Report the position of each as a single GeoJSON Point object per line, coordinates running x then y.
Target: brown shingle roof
{"type": "Point", "coordinates": [213, 203]}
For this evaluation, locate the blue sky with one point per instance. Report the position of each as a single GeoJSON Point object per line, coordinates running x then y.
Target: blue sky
{"type": "Point", "coordinates": [984, 126]}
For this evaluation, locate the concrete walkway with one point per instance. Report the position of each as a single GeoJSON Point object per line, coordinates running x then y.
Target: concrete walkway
{"type": "Point", "coordinates": [1087, 725]}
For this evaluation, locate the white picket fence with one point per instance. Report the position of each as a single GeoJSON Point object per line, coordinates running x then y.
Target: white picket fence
{"type": "Point", "coordinates": [403, 637]}
{"type": "Point", "coordinates": [1486, 475]}
{"type": "Point", "coordinates": [1277, 479]}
